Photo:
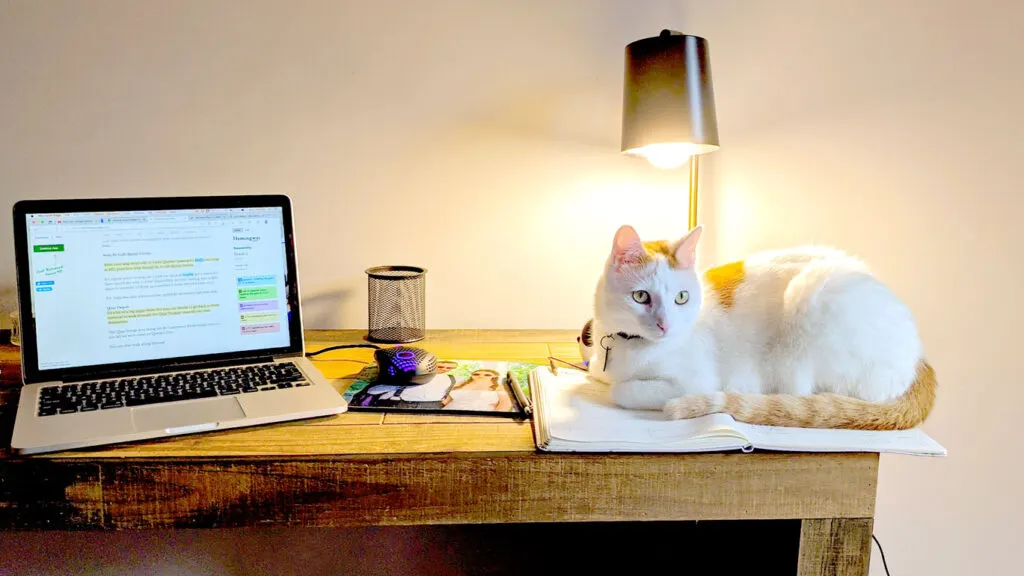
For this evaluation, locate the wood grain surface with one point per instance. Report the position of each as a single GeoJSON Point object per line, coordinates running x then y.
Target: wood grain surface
{"type": "Point", "coordinates": [363, 468]}
{"type": "Point", "coordinates": [835, 547]}
{"type": "Point", "coordinates": [435, 489]}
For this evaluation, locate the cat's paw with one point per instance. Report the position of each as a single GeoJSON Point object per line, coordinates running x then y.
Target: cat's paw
{"type": "Point", "coordinates": [694, 406]}
{"type": "Point", "coordinates": [642, 394]}
{"type": "Point", "coordinates": [625, 394]}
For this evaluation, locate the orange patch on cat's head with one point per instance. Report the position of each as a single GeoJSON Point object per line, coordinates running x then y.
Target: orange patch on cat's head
{"type": "Point", "coordinates": [661, 248]}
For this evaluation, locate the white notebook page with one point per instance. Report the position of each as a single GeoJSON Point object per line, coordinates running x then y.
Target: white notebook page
{"type": "Point", "coordinates": [578, 411]}
{"type": "Point", "coordinates": [581, 411]}
{"type": "Point", "coordinates": [912, 441]}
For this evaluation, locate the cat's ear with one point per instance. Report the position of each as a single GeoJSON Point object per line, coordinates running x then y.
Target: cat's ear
{"type": "Point", "coordinates": [685, 250]}
{"type": "Point", "coordinates": [627, 249]}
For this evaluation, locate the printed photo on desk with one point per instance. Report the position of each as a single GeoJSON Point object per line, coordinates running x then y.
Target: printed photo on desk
{"type": "Point", "coordinates": [480, 387]}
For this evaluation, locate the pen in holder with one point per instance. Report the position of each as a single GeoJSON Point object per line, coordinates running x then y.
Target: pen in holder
{"type": "Point", "coordinates": [397, 304]}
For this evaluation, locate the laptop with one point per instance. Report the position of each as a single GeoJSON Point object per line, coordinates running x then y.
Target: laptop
{"type": "Point", "coordinates": [153, 317]}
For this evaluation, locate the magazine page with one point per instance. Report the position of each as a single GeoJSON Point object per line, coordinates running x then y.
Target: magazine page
{"type": "Point", "coordinates": [460, 386]}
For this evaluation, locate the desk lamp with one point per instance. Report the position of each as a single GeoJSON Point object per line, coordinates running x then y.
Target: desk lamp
{"type": "Point", "coordinates": [668, 106]}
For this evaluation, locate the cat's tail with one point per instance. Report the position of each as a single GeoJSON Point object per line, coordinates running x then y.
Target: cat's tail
{"type": "Point", "coordinates": [817, 410]}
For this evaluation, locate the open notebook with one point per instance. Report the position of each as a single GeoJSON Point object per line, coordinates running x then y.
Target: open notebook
{"type": "Point", "coordinates": [572, 414]}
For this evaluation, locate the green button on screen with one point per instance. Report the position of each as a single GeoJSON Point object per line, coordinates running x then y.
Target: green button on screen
{"type": "Point", "coordinates": [48, 248]}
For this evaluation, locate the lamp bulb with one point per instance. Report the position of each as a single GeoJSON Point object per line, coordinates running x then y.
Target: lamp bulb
{"type": "Point", "coordinates": [667, 155]}
{"type": "Point", "coordinates": [667, 159]}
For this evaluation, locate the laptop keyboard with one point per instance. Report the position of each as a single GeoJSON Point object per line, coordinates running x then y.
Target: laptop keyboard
{"type": "Point", "coordinates": [107, 394]}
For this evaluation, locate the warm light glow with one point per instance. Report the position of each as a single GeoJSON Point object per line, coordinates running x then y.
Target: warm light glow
{"type": "Point", "coordinates": [670, 154]}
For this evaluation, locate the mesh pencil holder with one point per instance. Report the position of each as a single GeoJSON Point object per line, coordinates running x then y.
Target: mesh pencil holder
{"type": "Point", "coordinates": [397, 303]}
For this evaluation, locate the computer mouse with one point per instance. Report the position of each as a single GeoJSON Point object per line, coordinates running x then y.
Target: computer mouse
{"type": "Point", "coordinates": [405, 365]}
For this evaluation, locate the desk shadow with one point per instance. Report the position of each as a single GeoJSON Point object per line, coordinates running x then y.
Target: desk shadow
{"type": "Point", "coordinates": [762, 547]}
{"type": "Point", "coordinates": [715, 547]}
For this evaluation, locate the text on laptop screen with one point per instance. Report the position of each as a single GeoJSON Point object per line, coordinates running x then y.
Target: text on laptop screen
{"type": "Point", "coordinates": [113, 287]}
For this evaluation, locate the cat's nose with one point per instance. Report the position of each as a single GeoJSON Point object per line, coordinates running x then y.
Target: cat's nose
{"type": "Point", "coordinates": [663, 326]}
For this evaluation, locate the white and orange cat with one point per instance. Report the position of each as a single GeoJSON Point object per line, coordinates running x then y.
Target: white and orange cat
{"type": "Point", "coordinates": [804, 337]}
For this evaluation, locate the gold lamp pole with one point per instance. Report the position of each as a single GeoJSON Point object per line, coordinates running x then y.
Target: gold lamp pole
{"type": "Point", "coordinates": [694, 173]}
{"type": "Point", "coordinates": [668, 105]}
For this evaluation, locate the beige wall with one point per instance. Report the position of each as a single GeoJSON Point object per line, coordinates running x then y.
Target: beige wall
{"type": "Point", "coordinates": [476, 138]}
{"type": "Point", "coordinates": [479, 139]}
{"type": "Point", "coordinates": [893, 129]}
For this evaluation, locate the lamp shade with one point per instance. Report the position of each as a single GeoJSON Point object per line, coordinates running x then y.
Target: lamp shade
{"type": "Point", "coordinates": [668, 105]}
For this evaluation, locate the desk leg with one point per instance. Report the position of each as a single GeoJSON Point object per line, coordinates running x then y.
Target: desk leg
{"type": "Point", "coordinates": [835, 547]}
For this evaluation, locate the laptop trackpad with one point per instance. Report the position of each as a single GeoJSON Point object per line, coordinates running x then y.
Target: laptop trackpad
{"type": "Point", "coordinates": [170, 417]}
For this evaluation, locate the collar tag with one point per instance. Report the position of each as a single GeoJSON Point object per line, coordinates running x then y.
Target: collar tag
{"type": "Point", "coordinates": [606, 342]}
{"type": "Point", "coordinates": [610, 338]}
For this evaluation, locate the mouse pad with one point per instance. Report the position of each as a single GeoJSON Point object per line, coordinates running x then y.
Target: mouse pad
{"type": "Point", "coordinates": [460, 387]}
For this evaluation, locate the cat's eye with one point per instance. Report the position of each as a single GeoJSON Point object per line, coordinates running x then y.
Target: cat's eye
{"type": "Point", "coordinates": [641, 296]}
{"type": "Point", "coordinates": [682, 298]}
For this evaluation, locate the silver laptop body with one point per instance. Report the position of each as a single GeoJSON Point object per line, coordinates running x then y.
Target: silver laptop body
{"type": "Point", "coordinates": [152, 317]}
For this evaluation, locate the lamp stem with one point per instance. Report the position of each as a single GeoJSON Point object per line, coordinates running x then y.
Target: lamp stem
{"type": "Point", "coordinates": [694, 170]}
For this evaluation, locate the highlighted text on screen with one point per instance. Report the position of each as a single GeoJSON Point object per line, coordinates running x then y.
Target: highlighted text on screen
{"type": "Point", "coordinates": [135, 265]}
{"type": "Point", "coordinates": [248, 329]}
{"type": "Point", "coordinates": [258, 306]}
{"type": "Point", "coordinates": [256, 280]}
{"type": "Point", "coordinates": [258, 293]}
{"type": "Point", "coordinates": [260, 317]}
{"type": "Point", "coordinates": [123, 315]}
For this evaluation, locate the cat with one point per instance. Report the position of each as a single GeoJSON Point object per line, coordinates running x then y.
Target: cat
{"type": "Point", "coordinates": [805, 337]}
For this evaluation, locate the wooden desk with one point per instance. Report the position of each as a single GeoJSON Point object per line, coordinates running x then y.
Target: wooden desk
{"type": "Point", "coordinates": [360, 469]}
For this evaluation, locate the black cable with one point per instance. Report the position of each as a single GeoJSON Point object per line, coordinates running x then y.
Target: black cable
{"type": "Point", "coordinates": [882, 552]}
{"type": "Point", "coordinates": [341, 347]}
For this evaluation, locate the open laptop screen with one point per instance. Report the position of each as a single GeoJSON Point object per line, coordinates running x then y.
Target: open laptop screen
{"type": "Point", "coordinates": [113, 287]}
